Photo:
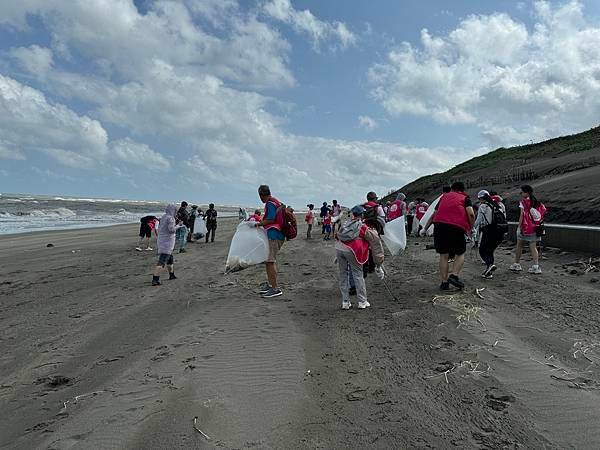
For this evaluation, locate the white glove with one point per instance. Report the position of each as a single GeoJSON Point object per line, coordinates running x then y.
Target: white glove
{"type": "Point", "coordinates": [252, 223]}
{"type": "Point", "coordinates": [379, 272]}
{"type": "Point", "coordinates": [422, 232]}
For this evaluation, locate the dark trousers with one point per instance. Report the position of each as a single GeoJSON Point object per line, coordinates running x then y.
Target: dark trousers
{"type": "Point", "coordinates": [487, 246]}
{"type": "Point", "coordinates": [211, 232]}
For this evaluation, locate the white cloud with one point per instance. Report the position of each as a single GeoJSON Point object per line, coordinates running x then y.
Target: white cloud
{"type": "Point", "coordinates": [34, 59]}
{"type": "Point", "coordinates": [367, 123]}
{"type": "Point", "coordinates": [306, 22]}
{"type": "Point", "coordinates": [162, 77]}
{"type": "Point", "coordinates": [30, 123]}
{"type": "Point", "coordinates": [492, 71]}
{"type": "Point", "coordinates": [9, 151]}
{"type": "Point", "coordinates": [139, 155]}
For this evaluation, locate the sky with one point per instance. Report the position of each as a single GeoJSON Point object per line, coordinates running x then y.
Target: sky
{"type": "Point", "coordinates": [205, 100]}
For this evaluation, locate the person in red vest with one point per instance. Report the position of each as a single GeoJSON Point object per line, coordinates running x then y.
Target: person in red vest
{"type": "Point", "coordinates": [354, 242]}
{"type": "Point", "coordinates": [397, 208]}
{"type": "Point", "coordinates": [276, 239]}
{"type": "Point", "coordinates": [453, 219]}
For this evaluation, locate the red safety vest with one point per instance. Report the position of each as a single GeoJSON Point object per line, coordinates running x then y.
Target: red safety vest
{"type": "Point", "coordinates": [275, 224]}
{"type": "Point", "coordinates": [451, 210]}
{"type": "Point", "coordinates": [359, 246]}
{"type": "Point", "coordinates": [395, 210]}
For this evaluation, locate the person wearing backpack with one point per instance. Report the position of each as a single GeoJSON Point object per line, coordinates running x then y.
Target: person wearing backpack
{"type": "Point", "coordinates": [274, 221]}
{"type": "Point", "coordinates": [530, 229]}
{"type": "Point", "coordinates": [355, 241]}
{"type": "Point", "coordinates": [491, 223]}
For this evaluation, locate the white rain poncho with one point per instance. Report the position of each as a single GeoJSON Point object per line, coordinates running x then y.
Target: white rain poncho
{"type": "Point", "coordinates": [249, 247]}
{"type": "Point", "coordinates": [394, 235]}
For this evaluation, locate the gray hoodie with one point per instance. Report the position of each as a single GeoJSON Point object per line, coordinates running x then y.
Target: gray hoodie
{"type": "Point", "coordinates": [166, 231]}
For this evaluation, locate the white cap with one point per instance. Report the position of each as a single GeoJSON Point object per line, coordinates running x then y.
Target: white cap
{"type": "Point", "coordinates": [483, 193]}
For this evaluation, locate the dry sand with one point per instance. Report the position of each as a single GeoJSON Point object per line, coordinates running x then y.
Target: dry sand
{"type": "Point", "coordinates": [94, 357]}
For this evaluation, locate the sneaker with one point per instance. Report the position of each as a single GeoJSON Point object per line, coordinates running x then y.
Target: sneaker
{"type": "Point", "coordinates": [149, 249]}
{"type": "Point", "coordinates": [450, 260]}
{"type": "Point", "coordinates": [487, 276]}
{"type": "Point", "coordinates": [445, 286]}
{"type": "Point", "coordinates": [535, 269]}
{"type": "Point", "coordinates": [264, 288]}
{"type": "Point", "coordinates": [490, 269]}
{"type": "Point", "coordinates": [352, 292]}
{"type": "Point", "coordinates": [455, 281]}
{"type": "Point", "coordinates": [172, 276]}
{"type": "Point", "coordinates": [182, 250]}
{"type": "Point", "coordinates": [346, 305]}
{"type": "Point", "coordinates": [363, 305]}
{"type": "Point", "coordinates": [156, 283]}
{"type": "Point", "coordinates": [139, 249]}
{"type": "Point", "coordinates": [516, 267]}
{"type": "Point", "coordinates": [272, 292]}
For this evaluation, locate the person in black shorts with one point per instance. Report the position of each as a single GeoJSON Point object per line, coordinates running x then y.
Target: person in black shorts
{"type": "Point", "coordinates": [147, 224]}
{"type": "Point", "coordinates": [453, 219]}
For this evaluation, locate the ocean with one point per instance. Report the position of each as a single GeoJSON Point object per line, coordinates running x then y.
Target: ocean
{"type": "Point", "coordinates": [21, 213]}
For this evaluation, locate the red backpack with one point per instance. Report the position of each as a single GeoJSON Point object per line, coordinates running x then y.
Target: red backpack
{"type": "Point", "coordinates": [287, 222]}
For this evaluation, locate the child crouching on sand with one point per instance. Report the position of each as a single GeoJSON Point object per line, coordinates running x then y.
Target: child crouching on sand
{"type": "Point", "coordinates": [167, 229]}
{"type": "Point", "coordinates": [354, 240]}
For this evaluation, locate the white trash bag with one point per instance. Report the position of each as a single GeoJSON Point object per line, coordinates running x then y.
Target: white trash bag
{"type": "Point", "coordinates": [249, 247]}
{"type": "Point", "coordinates": [200, 226]}
{"type": "Point", "coordinates": [394, 235]}
{"type": "Point", "coordinates": [428, 215]}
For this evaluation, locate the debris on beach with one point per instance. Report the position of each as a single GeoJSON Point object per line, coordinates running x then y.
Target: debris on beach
{"type": "Point", "coordinates": [49, 245]}
{"type": "Point", "coordinates": [199, 430]}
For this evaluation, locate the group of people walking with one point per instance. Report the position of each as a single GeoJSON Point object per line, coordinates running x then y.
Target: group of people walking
{"type": "Point", "coordinates": [455, 220]}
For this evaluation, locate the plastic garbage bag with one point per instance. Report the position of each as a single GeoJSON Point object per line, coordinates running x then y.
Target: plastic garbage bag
{"type": "Point", "coordinates": [200, 226]}
{"type": "Point", "coordinates": [428, 215]}
{"type": "Point", "coordinates": [394, 235]}
{"type": "Point", "coordinates": [249, 247]}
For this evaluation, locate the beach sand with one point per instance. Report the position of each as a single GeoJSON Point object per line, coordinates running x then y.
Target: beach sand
{"type": "Point", "coordinates": [95, 357]}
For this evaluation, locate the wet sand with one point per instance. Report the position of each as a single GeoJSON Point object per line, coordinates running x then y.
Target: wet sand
{"type": "Point", "coordinates": [95, 357]}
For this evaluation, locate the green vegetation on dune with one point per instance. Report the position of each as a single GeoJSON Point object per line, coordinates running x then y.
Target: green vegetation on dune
{"type": "Point", "coordinates": [509, 157]}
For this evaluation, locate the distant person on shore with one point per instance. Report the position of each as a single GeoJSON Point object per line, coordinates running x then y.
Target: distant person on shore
{"type": "Point", "coordinates": [256, 217]}
{"type": "Point", "coordinates": [355, 243]}
{"type": "Point", "coordinates": [322, 214]}
{"type": "Point", "coordinates": [336, 216]}
{"type": "Point", "coordinates": [276, 239]}
{"type": "Point", "coordinates": [309, 218]}
{"type": "Point", "coordinates": [211, 222]}
{"type": "Point", "coordinates": [530, 229]}
{"type": "Point", "coordinates": [397, 208]}
{"type": "Point", "coordinates": [191, 222]}
{"type": "Point", "coordinates": [167, 229]}
{"type": "Point", "coordinates": [242, 215]}
{"type": "Point", "coordinates": [182, 220]}
{"type": "Point", "coordinates": [453, 219]}
{"type": "Point", "coordinates": [327, 226]}
{"type": "Point", "coordinates": [147, 224]}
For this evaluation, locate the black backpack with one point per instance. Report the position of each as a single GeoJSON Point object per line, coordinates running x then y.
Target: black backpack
{"type": "Point", "coordinates": [371, 218]}
{"type": "Point", "coordinates": [499, 223]}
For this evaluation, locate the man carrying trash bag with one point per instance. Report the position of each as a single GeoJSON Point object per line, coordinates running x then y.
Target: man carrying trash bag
{"type": "Point", "coordinates": [276, 238]}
